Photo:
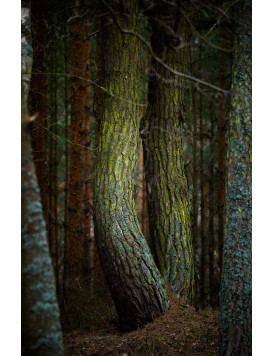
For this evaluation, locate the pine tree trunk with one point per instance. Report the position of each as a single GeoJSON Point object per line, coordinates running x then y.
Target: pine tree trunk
{"type": "Point", "coordinates": [211, 211]}
{"type": "Point", "coordinates": [80, 52]}
{"type": "Point", "coordinates": [195, 193]}
{"type": "Point", "coordinates": [52, 162]}
{"type": "Point", "coordinates": [87, 262]}
{"type": "Point", "coordinates": [66, 68]}
{"type": "Point", "coordinates": [202, 192]}
{"type": "Point", "coordinates": [168, 201]}
{"type": "Point", "coordinates": [235, 295]}
{"type": "Point", "coordinates": [221, 150]}
{"type": "Point", "coordinates": [99, 283]}
{"type": "Point", "coordinates": [133, 279]}
{"type": "Point", "coordinates": [41, 330]}
{"type": "Point", "coordinates": [38, 98]}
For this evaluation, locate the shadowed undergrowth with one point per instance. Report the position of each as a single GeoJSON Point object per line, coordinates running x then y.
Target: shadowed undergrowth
{"type": "Point", "coordinates": [180, 331]}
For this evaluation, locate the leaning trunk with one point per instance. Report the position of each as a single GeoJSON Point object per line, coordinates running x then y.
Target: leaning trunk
{"type": "Point", "coordinates": [133, 279]}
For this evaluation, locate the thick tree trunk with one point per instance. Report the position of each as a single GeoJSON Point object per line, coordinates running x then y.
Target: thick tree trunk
{"type": "Point", "coordinates": [80, 52]}
{"type": "Point", "coordinates": [235, 295]}
{"type": "Point", "coordinates": [41, 330]}
{"type": "Point", "coordinates": [133, 279]}
{"type": "Point", "coordinates": [168, 201]}
{"type": "Point", "coordinates": [38, 98]}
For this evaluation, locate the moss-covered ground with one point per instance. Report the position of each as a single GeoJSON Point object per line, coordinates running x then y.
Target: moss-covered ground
{"type": "Point", "coordinates": [180, 331]}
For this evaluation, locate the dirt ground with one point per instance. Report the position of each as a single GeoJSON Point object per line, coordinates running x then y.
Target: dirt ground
{"type": "Point", "coordinates": [180, 331]}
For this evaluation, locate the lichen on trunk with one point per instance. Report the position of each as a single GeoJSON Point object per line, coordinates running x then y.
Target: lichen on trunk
{"type": "Point", "coordinates": [168, 201]}
{"type": "Point", "coordinates": [235, 294]}
{"type": "Point", "coordinates": [41, 329]}
{"type": "Point", "coordinates": [132, 276]}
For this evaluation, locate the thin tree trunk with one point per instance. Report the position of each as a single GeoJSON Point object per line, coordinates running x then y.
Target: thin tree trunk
{"type": "Point", "coordinates": [235, 294]}
{"type": "Point", "coordinates": [221, 150]}
{"type": "Point", "coordinates": [87, 262]}
{"type": "Point", "coordinates": [52, 194]}
{"type": "Point", "coordinates": [99, 283]}
{"type": "Point", "coordinates": [202, 192]}
{"type": "Point", "coordinates": [66, 150]}
{"type": "Point", "coordinates": [38, 98]}
{"type": "Point", "coordinates": [211, 213]}
{"type": "Point", "coordinates": [195, 192]}
{"type": "Point", "coordinates": [133, 279]}
{"type": "Point", "coordinates": [80, 52]}
{"type": "Point", "coordinates": [142, 199]}
{"type": "Point", "coordinates": [41, 331]}
{"type": "Point", "coordinates": [168, 202]}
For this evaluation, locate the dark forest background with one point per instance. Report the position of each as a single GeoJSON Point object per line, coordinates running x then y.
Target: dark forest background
{"type": "Point", "coordinates": [206, 62]}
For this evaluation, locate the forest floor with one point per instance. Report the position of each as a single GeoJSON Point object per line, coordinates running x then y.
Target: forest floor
{"type": "Point", "coordinates": [180, 331]}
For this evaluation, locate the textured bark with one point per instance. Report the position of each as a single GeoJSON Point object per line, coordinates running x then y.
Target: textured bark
{"type": "Point", "coordinates": [142, 197]}
{"type": "Point", "coordinates": [41, 330]}
{"type": "Point", "coordinates": [221, 150]}
{"type": "Point", "coordinates": [80, 52]}
{"type": "Point", "coordinates": [235, 295]}
{"type": "Point", "coordinates": [133, 279]}
{"type": "Point", "coordinates": [168, 202]}
{"type": "Point", "coordinates": [38, 98]}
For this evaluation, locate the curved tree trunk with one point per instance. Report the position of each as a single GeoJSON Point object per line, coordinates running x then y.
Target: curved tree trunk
{"type": "Point", "coordinates": [133, 279]}
{"type": "Point", "coordinates": [168, 201]}
{"type": "Point", "coordinates": [235, 295]}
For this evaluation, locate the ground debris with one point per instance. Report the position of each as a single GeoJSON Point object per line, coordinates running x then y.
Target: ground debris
{"type": "Point", "coordinates": [180, 331]}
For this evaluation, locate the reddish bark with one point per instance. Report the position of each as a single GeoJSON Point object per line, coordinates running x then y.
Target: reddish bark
{"type": "Point", "coordinates": [80, 52]}
{"type": "Point", "coordinates": [87, 263]}
{"type": "Point", "coordinates": [38, 99]}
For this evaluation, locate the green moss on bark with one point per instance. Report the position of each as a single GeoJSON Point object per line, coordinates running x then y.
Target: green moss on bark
{"type": "Point", "coordinates": [168, 201]}
{"type": "Point", "coordinates": [132, 277]}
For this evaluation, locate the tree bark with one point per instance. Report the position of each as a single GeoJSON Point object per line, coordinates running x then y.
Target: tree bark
{"type": "Point", "coordinates": [168, 201]}
{"type": "Point", "coordinates": [66, 197]}
{"type": "Point", "coordinates": [211, 211]}
{"type": "Point", "coordinates": [87, 262]}
{"type": "Point", "coordinates": [221, 150]}
{"type": "Point", "coordinates": [80, 52]}
{"type": "Point", "coordinates": [41, 330]}
{"type": "Point", "coordinates": [133, 279]}
{"type": "Point", "coordinates": [38, 98]}
{"type": "Point", "coordinates": [53, 160]}
{"type": "Point", "coordinates": [235, 294]}
{"type": "Point", "coordinates": [202, 190]}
